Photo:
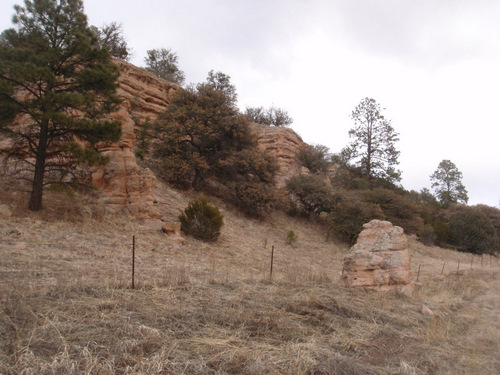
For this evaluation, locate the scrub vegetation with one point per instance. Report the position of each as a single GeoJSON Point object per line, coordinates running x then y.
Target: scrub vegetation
{"type": "Point", "coordinates": [67, 305]}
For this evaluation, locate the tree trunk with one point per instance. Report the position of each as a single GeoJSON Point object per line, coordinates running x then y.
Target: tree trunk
{"type": "Point", "coordinates": [369, 151]}
{"type": "Point", "coordinates": [35, 203]}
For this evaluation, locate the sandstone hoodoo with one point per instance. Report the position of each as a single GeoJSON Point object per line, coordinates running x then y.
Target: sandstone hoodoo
{"type": "Point", "coordinates": [380, 259]}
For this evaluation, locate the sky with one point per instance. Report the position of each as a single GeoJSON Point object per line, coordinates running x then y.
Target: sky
{"type": "Point", "coordinates": [434, 66]}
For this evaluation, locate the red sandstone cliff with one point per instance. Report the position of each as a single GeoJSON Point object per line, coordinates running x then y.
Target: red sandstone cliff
{"type": "Point", "coordinates": [123, 184]}
{"type": "Point", "coordinates": [283, 144]}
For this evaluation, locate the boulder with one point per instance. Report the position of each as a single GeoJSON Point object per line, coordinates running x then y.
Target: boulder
{"type": "Point", "coordinates": [173, 230]}
{"type": "Point", "coordinates": [380, 259]}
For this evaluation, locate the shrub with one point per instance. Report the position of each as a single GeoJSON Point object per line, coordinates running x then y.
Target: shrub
{"type": "Point", "coordinates": [253, 198]}
{"type": "Point", "coordinates": [440, 228]}
{"type": "Point", "coordinates": [291, 237]}
{"type": "Point", "coordinates": [144, 136]}
{"type": "Point", "coordinates": [426, 235]}
{"type": "Point", "coordinates": [397, 209]}
{"type": "Point", "coordinates": [312, 194]}
{"type": "Point", "coordinates": [202, 220]}
{"type": "Point", "coordinates": [164, 63]}
{"type": "Point", "coordinates": [140, 153]}
{"type": "Point", "coordinates": [248, 164]}
{"type": "Point", "coordinates": [493, 214]}
{"type": "Point", "coordinates": [347, 219]}
{"type": "Point", "coordinates": [315, 158]}
{"type": "Point", "coordinates": [179, 170]}
{"type": "Point", "coordinates": [203, 142]}
{"type": "Point", "coordinates": [471, 230]}
{"type": "Point", "coordinates": [272, 116]}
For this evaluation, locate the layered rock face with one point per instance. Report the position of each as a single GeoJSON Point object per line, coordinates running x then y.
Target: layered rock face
{"type": "Point", "coordinates": [380, 259]}
{"type": "Point", "coordinates": [283, 144]}
{"type": "Point", "coordinates": [122, 183]}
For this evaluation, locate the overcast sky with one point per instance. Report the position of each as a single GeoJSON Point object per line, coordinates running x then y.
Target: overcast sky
{"type": "Point", "coordinates": [434, 65]}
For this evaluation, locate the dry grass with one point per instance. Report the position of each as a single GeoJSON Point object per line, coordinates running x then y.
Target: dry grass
{"type": "Point", "coordinates": [67, 306]}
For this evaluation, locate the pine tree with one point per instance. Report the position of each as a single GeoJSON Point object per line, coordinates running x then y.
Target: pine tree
{"type": "Point", "coordinates": [447, 184]}
{"type": "Point", "coordinates": [165, 64]}
{"type": "Point", "coordinates": [57, 87]}
{"type": "Point", "coordinates": [373, 148]}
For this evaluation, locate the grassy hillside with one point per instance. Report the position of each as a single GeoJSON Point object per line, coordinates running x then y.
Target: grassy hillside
{"type": "Point", "coordinates": [67, 306]}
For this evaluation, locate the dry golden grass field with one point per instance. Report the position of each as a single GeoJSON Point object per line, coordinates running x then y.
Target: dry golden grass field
{"type": "Point", "coordinates": [67, 306]}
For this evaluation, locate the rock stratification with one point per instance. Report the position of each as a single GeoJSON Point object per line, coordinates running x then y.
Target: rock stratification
{"type": "Point", "coordinates": [122, 183]}
{"type": "Point", "coordinates": [283, 144]}
{"type": "Point", "coordinates": [380, 259]}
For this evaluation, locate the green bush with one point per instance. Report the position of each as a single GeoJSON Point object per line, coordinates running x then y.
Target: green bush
{"type": "Point", "coordinates": [291, 237]}
{"type": "Point", "coordinates": [249, 164]}
{"type": "Point", "coordinates": [202, 220]}
{"type": "Point", "coordinates": [202, 141]}
{"type": "Point", "coordinates": [272, 116]}
{"type": "Point", "coordinates": [347, 219]}
{"type": "Point", "coordinates": [315, 158]}
{"type": "Point", "coordinates": [397, 209]}
{"type": "Point", "coordinates": [311, 194]}
{"type": "Point", "coordinates": [440, 228]}
{"type": "Point", "coordinates": [253, 198]}
{"type": "Point", "coordinates": [140, 153]}
{"type": "Point", "coordinates": [179, 170]}
{"type": "Point", "coordinates": [426, 235]}
{"type": "Point", "coordinates": [493, 214]}
{"type": "Point", "coordinates": [472, 230]}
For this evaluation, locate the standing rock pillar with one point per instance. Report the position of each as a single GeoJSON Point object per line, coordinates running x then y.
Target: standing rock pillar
{"type": "Point", "coordinates": [380, 259]}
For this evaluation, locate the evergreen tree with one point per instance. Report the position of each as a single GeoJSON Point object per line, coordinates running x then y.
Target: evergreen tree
{"type": "Point", "coordinates": [373, 148]}
{"type": "Point", "coordinates": [447, 184]}
{"type": "Point", "coordinates": [316, 158]}
{"type": "Point", "coordinates": [311, 194]}
{"type": "Point", "coordinates": [272, 116]}
{"type": "Point", "coordinates": [203, 142]}
{"type": "Point", "coordinates": [58, 85]}
{"type": "Point", "coordinates": [199, 130]}
{"type": "Point", "coordinates": [165, 64]}
{"type": "Point", "coordinates": [111, 36]}
{"type": "Point", "coordinates": [471, 230]}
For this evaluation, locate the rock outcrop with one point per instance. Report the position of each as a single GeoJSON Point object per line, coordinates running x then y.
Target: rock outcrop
{"type": "Point", "coordinates": [122, 183]}
{"type": "Point", "coordinates": [380, 259]}
{"type": "Point", "coordinates": [283, 144]}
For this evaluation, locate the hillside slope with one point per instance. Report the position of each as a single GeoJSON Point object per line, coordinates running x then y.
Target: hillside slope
{"type": "Point", "coordinates": [67, 305]}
